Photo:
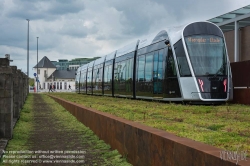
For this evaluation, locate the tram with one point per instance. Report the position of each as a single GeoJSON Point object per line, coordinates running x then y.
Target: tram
{"type": "Point", "coordinates": [188, 63]}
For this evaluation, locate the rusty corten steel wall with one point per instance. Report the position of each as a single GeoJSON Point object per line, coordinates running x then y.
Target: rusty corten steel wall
{"type": "Point", "coordinates": [241, 96]}
{"type": "Point", "coordinates": [241, 82]}
{"type": "Point", "coordinates": [145, 145]}
{"type": "Point", "coordinates": [241, 73]}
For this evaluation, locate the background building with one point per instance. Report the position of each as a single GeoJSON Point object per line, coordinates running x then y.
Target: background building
{"type": "Point", "coordinates": [64, 64]}
{"type": "Point", "coordinates": [236, 28]}
{"type": "Point", "coordinates": [48, 74]}
{"type": "Point", "coordinates": [61, 74]}
{"type": "Point", "coordinates": [61, 79]}
{"type": "Point", "coordinates": [43, 70]}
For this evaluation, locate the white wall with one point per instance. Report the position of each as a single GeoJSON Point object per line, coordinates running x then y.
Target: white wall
{"type": "Point", "coordinates": [61, 85]}
{"type": "Point", "coordinates": [41, 76]}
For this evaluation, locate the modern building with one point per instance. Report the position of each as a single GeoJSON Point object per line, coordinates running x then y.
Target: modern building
{"type": "Point", "coordinates": [64, 64]}
{"type": "Point", "coordinates": [236, 28]}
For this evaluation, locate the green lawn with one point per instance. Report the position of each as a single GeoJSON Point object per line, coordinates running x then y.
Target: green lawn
{"type": "Point", "coordinates": [224, 126]}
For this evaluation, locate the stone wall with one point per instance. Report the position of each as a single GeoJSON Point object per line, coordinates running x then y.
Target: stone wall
{"type": "Point", "coordinates": [13, 92]}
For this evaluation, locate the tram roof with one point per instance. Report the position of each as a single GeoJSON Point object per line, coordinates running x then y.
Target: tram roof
{"type": "Point", "coordinates": [91, 64]}
{"type": "Point", "coordinates": [78, 70]}
{"type": "Point", "coordinates": [84, 67]}
{"type": "Point", "coordinates": [110, 56]}
{"type": "Point", "coordinates": [152, 38]}
{"type": "Point", "coordinates": [226, 21]}
{"type": "Point", "coordinates": [100, 60]}
{"type": "Point", "coordinates": [127, 49]}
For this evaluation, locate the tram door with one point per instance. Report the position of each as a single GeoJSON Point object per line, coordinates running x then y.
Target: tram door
{"type": "Point", "coordinates": [157, 73]}
{"type": "Point", "coordinates": [171, 85]}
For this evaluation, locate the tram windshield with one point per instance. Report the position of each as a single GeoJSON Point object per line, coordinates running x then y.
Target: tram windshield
{"type": "Point", "coordinates": [207, 55]}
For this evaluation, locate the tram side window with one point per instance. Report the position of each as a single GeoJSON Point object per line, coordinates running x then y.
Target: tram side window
{"type": "Point", "coordinates": [106, 71]}
{"type": "Point", "coordinates": [97, 74]}
{"type": "Point", "coordinates": [182, 60]}
{"type": "Point", "coordinates": [160, 65]}
{"type": "Point", "coordinates": [100, 73]}
{"type": "Point", "coordinates": [83, 79]}
{"type": "Point", "coordinates": [108, 74]}
{"type": "Point", "coordinates": [120, 69]}
{"type": "Point", "coordinates": [89, 77]}
{"type": "Point", "coordinates": [116, 71]}
{"type": "Point", "coordinates": [149, 67]}
{"type": "Point", "coordinates": [94, 75]}
{"type": "Point", "coordinates": [171, 71]}
{"type": "Point", "coordinates": [129, 69]}
{"type": "Point", "coordinates": [141, 64]}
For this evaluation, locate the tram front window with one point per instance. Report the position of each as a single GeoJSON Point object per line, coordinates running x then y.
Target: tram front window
{"type": "Point", "coordinates": [207, 55]}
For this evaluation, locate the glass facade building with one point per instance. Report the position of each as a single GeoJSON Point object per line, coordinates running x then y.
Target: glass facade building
{"type": "Point", "coordinates": [64, 64]}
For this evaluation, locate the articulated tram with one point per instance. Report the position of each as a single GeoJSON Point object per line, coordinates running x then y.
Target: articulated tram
{"type": "Point", "coordinates": [186, 63]}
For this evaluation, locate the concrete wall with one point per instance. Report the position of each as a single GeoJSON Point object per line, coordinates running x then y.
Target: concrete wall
{"type": "Point", "coordinates": [13, 92]}
{"type": "Point", "coordinates": [143, 145]}
{"type": "Point", "coordinates": [6, 99]}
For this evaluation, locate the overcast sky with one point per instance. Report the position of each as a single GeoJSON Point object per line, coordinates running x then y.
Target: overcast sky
{"type": "Point", "coordinates": [69, 29]}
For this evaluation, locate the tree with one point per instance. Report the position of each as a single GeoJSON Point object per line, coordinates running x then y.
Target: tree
{"type": "Point", "coordinates": [31, 82]}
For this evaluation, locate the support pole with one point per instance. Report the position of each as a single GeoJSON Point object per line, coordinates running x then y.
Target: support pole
{"type": "Point", "coordinates": [236, 41]}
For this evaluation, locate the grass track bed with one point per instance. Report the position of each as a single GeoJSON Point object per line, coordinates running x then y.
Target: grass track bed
{"type": "Point", "coordinates": [225, 126]}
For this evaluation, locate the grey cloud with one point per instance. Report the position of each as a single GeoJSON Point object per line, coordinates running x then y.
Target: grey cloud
{"type": "Point", "coordinates": [46, 41]}
{"type": "Point", "coordinates": [44, 10]}
{"type": "Point", "coordinates": [139, 18]}
{"type": "Point", "coordinates": [13, 32]}
{"type": "Point", "coordinates": [24, 9]}
{"type": "Point", "coordinates": [74, 28]}
{"type": "Point", "coordinates": [74, 32]}
{"type": "Point", "coordinates": [193, 10]}
{"type": "Point", "coordinates": [65, 7]}
{"type": "Point", "coordinates": [133, 18]}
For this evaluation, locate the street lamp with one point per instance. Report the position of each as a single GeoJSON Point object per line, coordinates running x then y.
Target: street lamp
{"type": "Point", "coordinates": [37, 66]}
{"type": "Point", "coordinates": [28, 49]}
